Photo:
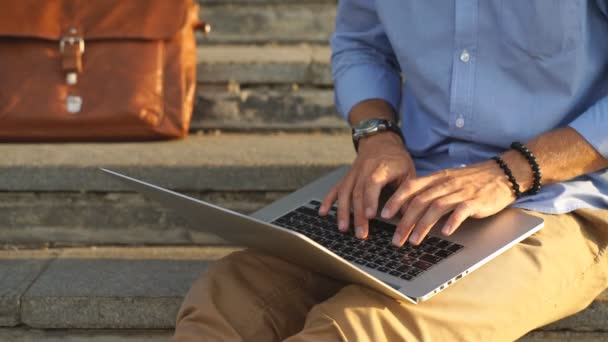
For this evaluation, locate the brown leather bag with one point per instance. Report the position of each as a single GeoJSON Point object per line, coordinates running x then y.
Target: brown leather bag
{"type": "Point", "coordinates": [96, 70]}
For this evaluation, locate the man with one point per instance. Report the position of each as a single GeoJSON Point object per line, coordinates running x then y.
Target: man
{"type": "Point", "coordinates": [479, 75]}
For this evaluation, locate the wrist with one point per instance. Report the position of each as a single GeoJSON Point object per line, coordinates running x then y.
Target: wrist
{"type": "Point", "coordinates": [371, 109]}
{"type": "Point", "coordinates": [385, 138]}
{"type": "Point", "coordinates": [520, 168]}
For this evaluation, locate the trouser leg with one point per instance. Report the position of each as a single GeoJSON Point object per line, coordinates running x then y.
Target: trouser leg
{"type": "Point", "coordinates": [555, 273]}
{"type": "Point", "coordinates": [248, 296]}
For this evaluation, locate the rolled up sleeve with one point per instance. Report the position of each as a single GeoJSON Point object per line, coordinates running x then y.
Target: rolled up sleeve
{"type": "Point", "coordinates": [363, 62]}
{"type": "Point", "coordinates": [593, 126]}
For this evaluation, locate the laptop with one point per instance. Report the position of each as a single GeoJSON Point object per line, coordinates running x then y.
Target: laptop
{"type": "Point", "coordinates": [291, 229]}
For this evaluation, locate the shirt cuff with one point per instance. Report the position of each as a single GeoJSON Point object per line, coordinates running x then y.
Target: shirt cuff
{"type": "Point", "coordinates": [365, 82]}
{"type": "Point", "coordinates": [593, 124]}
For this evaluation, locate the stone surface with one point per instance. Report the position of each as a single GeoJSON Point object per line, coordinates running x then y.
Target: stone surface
{"type": "Point", "coordinates": [565, 336]}
{"type": "Point", "coordinates": [224, 162]}
{"type": "Point", "coordinates": [34, 219]}
{"type": "Point", "coordinates": [277, 22]}
{"type": "Point", "coordinates": [16, 276]}
{"type": "Point", "coordinates": [142, 288]}
{"type": "Point", "coordinates": [156, 335]}
{"type": "Point", "coordinates": [89, 335]}
{"type": "Point", "coordinates": [114, 288]}
{"type": "Point", "coordinates": [252, 64]}
{"type": "Point", "coordinates": [263, 108]}
{"type": "Point", "coordinates": [595, 317]}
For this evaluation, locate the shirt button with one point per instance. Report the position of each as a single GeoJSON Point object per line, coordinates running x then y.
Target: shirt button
{"type": "Point", "coordinates": [460, 122]}
{"type": "Point", "coordinates": [465, 56]}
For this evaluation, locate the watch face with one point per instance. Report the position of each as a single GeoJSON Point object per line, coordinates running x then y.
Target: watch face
{"type": "Point", "coordinates": [368, 124]}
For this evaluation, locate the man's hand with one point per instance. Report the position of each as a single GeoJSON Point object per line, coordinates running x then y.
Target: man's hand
{"type": "Point", "coordinates": [478, 191]}
{"type": "Point", "coordinates": [382, 160]}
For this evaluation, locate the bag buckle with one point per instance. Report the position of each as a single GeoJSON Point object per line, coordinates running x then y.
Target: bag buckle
{"type": "Point", "coordinates": [71, 41]}
{"type": "Point", "coordinates": [71, 48]}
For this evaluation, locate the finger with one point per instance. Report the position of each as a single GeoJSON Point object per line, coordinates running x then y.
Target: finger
{"type": "Point", "coordinates": [378, 180]}
{"type": "Point", "coordinates": [417, 207]}
{"type": "Point", "coordinates": [463, 211]}
{"type": "Point", "coordinates": [344, 195]}
{"type": "Point", "coordinates": [329, 199]}
{"type": "Point", "coordinates": [358, 210]}
{"type": "Point", "coordinates": [435, 211]}
{"type": "Point", "coordinates": [406, 190]}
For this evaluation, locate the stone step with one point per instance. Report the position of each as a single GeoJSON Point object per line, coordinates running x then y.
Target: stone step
{"type": "Point", "coordinates": [202, 162]}
{"type": "Point", "coordinates": [270, 64]}
{"type": "Point", "coordinates": [54, 194]}
{"type": "Point", "coordinates": [269, 21]}
{"type": "Point", "coordinates": [117, 218]}
{"type": "Point", "coordinates": [142, 288]}
{"type": "Point", "coordinates": [163, 335]}
{"type": "Point", "coordinates": [266, 109]}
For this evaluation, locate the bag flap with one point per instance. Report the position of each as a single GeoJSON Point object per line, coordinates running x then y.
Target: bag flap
{"type": "Point", "coordinates": [98, 19]}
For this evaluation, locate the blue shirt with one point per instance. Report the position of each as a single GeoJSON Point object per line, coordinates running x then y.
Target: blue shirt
{"type": "Point", "coordinates": [480, 74]}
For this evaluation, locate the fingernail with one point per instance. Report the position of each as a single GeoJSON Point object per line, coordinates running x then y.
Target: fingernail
{"type": "Point", "coordinates": [385, 214]}
{"type": "Point", "coordinates": [342, 226]}
{"type": "Point", "coordinates": [396, 239]}
{"type": "Point", "coordinates": [414, 238]}
{"type": "Point", "coordinates": [359, 232]}
{"type": "Point", "coordinates": [370, 213]}
{"type": "Point", "coordinates": [446, 230]}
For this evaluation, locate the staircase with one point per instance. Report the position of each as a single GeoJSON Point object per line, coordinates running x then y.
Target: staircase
{"type": "Point", "coordinates": [82, 257]}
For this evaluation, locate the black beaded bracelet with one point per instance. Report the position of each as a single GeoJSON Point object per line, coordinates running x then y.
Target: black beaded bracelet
{"type": "Point", "coordinates": [537, 175]}
{"type": "Point", "coordinates": [509, 174]}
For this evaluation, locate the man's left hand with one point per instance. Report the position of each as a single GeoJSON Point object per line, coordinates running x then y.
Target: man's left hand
{"type": "Point", "coordinates": [477, 191]}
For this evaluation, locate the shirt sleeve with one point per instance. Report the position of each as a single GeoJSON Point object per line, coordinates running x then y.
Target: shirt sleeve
{"type": "Point", "coordinates": [363, 62]}
{"type": "Point", "coordinates": [593, 126]}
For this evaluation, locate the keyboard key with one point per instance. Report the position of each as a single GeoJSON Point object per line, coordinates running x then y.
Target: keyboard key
{"type": "Point", "coordinates": [383, 269]}
{"type": "Point", "coordinates": [405, 268]}
{"type": "Point", "coordinates": [308, 211]}
{"type": "Point", "coordinates": [455, 247]}
{"type": "Point", "coordinates": [433, 259]}
{"type": "Point", "coordinates": [358, 253]}
{"type": "Point", "coordinates": [372, 265]}
{"type": "Point", "coordinates": [395, 273]}
{"type": "Point", "coordinates": [430, 249]}
{"type": "Point", "coordinates": [443, 244]}
{"type": "Point", "coordinates": [443, 253]}
{"type": "Point", "coordinates": [360, 261]}
{"type": "Point", "coordinates": [315, 203]}
{"type": "Point", "coordinates": [406, 277]}
{"type": "Point", "coordinates": [380, 225]}
{"type": "Point", "coordinates": [414, 271]}
{"type": "Point", "coordinates": [407, 261]}
{"type": "Point", "coordinates": [423, 265]}
{"type": "Point", "coordinates": [392, 264]}
{"type": "Point", "coordinates": [433, 240]}
{"type": "Point", "coordinates": [415, 254]}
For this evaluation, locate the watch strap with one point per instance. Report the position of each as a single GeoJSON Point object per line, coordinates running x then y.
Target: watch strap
{"type": "Point", "coordinates": [391, 126]}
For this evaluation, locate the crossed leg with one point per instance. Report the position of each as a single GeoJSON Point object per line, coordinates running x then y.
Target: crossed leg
{"type": "Point", "coordinates": [252, 297]}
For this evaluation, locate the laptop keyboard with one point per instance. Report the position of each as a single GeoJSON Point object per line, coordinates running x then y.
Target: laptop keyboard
{"type": "Point", "coordinates": [376, 252]}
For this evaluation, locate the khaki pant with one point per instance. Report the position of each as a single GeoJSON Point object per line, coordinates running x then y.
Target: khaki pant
{"type": "Point", "coordinates": [253, 297]}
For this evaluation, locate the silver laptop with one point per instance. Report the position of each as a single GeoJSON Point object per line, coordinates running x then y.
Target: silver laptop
{"type": "Point", "coordinates": [291, 229]}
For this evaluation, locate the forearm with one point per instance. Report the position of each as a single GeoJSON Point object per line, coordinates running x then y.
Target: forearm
{"type": "Point", "coordinates": [562, 154]}
{"type": "Point", "coordinates": [369, 109]}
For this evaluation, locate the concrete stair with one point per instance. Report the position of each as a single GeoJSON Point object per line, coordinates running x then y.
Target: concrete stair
{"type": "Point", "coordinates": [84, 258]}
{"type": "Point", "coordinates": [55, 193]}
{"type": "Point", "coordinates": [123, 294]}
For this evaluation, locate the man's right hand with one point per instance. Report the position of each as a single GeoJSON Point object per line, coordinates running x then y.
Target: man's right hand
{"type": "Point", "coordinates": [382, 160]}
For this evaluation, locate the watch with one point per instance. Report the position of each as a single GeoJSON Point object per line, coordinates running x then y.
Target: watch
{"type": "Point", "coordinates": [371, 127]}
